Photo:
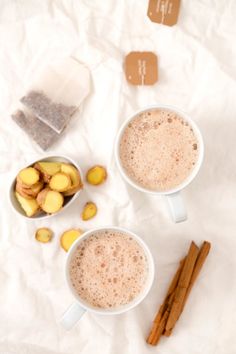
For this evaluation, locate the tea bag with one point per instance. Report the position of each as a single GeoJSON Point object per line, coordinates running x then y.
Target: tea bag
{"type": "Point", "coordinates": [57, 93]}
{"type": "Point", "coordinates": [40, 132]}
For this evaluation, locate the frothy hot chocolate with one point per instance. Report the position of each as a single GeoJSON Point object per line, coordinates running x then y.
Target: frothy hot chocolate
{"type": "Point", "coordinates": [108, 269]}
{"type": "Point", "coordinates": [158, 150]}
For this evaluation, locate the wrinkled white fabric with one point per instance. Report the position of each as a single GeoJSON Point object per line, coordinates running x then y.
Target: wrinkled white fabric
{"type": "Point", "coordinates": [197, 73]}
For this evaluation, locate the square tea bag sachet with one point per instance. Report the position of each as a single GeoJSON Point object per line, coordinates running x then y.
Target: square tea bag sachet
{"type": "Point", "coordinates": [57, 92]}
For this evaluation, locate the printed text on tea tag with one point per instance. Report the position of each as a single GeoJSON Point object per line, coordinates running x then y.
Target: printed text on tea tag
{"type": "Point", "coordinates": [164, 11]}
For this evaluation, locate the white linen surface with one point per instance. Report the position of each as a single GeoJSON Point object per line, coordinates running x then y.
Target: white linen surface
{"type": "Point", "coordinates": [197, 73]}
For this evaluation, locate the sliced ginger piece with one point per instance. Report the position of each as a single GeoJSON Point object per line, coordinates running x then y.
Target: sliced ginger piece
{"type": "Point", "coordinates": [72, 172]}
{"type": "Point", "coordinates": [29, 176]}
{"type": "Point", "coordinates": [74, 176]}
{"type": "Point", "coordinates": [30, 206]}
{"type": "Point", "coordinates": [29, 192]}
{"type": "Point", "coordinates": [72, 190]}
{"type": "Point", "coordinates": [50, 201]}
{"type": "Point", "coordinates": [53, 202]}
{"type": "Point", "coordinates": [68, 238]}
{"type": "Point", "coordinates": [42, 195]}
{"type": "Point", "coordinates": [35, 189]}
{"type": "Point", "coordinates": [43, 235]}
{"type": "Point", "coordinates": [96, 175]}
{"type": "Point", "coordinates": [60, 182]}
{"type": "Point", "coordinates": [89, 211]}
{"type": "Point", "coordinates": [22, 191]}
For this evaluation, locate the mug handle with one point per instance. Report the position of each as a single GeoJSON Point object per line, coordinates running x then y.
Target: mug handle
{"type": "Point", "coordinates": [177, 207]}
{"type": "Point", "coordinates": [72, 315]}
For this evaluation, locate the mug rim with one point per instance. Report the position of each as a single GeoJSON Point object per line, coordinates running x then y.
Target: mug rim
{"type": "Point", "coordinates": [12, 197]}
{"type": "Point", "coordinates": [138, 299]}
{"type": "Point", "coordinates": [196, 168]}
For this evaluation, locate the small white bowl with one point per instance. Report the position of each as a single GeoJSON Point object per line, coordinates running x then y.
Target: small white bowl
{"type": "Point", "coordinates": [68, 200]}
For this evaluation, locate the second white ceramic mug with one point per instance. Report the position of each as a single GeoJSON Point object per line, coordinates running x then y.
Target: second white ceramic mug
{"type": "Point", "coordinates": [79, 307]}
{"type": "Point", "coordinates": [174, 198]}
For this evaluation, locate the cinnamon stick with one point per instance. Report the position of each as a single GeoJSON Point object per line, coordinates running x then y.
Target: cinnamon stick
{"type": "Point", "coordinates": [170, 290]}
{"type": "Point", "coordinates": [163, 307]}
{"type": "Point", "coordinates": [182, 286]}
{"type": "Point", "coordinates": [160, 328]}
{"type": "Point", "coordinates": [152, 334]}
{"type": "Point", "coordinates": [203, 253]}
{"type": "Point", "coordinates": [175, 279]}
{"type": "Point", "coordinates": [167, 333]}
{"type": "Point", "coordinates": [178, 292]}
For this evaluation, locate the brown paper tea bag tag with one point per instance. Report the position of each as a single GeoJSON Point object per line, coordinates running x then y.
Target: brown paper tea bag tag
{"type": "Point", "coordinates": [141, 68]}
{"type": "Point", "coordinates": [164, 11]}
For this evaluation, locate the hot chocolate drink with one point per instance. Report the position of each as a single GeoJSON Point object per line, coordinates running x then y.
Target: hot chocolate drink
{"type": "Point", "coordinates": [108, 269]}
{"type": "Point", "coordinates": [158, 150]}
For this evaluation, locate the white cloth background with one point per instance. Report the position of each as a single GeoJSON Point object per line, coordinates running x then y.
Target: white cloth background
{"type": "Point", "coordinates": [197, 73]}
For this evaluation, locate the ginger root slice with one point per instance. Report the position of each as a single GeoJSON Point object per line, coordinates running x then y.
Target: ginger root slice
{"type": "Point", "coordinates": [42, 195]}
{"type": "Point", "coordinates": [29, 192]}
{"type": "Point", "coordinates": [96, 175]}
{"type": "Point", "coordinates": [22, 191]}
{"type": "Point", "coordinates": [72, 190]}
{"type": "Point", "coordinates": [43, 235]}
{"type": "Point", "coordinates": [50, 201]}
{"type": "Point", "coordinates": [60, 182]}
{"type": "Point", "coordinates": [72, 172]}
{"type": "Point", "coordinates": [53, 202]}
{"type": "Point", "coordinates": [29, 176]}
{"type": "Point", "coordinates": [89, 211]}
{"type": "Point", "coordinates": [68, 238]}
{"type": "Point", "coordinates": [35, 189]}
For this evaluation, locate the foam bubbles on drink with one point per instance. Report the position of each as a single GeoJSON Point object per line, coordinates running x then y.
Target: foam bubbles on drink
{"type": "Point", "coordinates": [158, 150]}
{"type": "Point", "coordinates": [109, 269]}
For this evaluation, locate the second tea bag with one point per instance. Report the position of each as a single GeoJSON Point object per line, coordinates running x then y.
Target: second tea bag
{"type": "Point", "coordinates": [57, 92]}
{"type": "Point", "coordinates": [41, 133]}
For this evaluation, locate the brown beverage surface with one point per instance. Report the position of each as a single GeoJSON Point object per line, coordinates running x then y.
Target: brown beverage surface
{"type": "Point", "coordinates": [158, 150]}
{"type": "Point", "coordinates": [108, 269]}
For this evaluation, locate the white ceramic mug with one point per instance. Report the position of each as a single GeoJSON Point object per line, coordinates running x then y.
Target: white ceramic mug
{"type": "Point", "coordinates": [175, 200]}
{"type": "Point", "coordinates": [79, 307]}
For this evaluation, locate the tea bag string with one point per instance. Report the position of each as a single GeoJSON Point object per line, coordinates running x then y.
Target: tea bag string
{"type": "Point", "coordinates": [112, 48]}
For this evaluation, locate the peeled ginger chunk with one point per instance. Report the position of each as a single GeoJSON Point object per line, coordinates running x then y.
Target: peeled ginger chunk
{"type": "Point", "coordinates": [43, 235]}
{"type": "Point", "coordinates": [50, 168]}
{"type": "Point", "coordinates": [50, 201]}
{"type": "Point", "coordinates": [60, 182]}
{"type": "Point", "coordinates": [29, 176]}
{"type": "Point", "coordinates": [68, 238]}
{"type": "Point", "coordinates": [96, 175]}
{"type": "Point", "coordinates": [30, 206]}
{"type": "Point", "coordinates": [89, 211]}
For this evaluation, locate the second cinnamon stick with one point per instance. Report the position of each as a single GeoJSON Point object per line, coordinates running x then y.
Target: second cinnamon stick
{"type": "Point", "coordinates": [182, 286]}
